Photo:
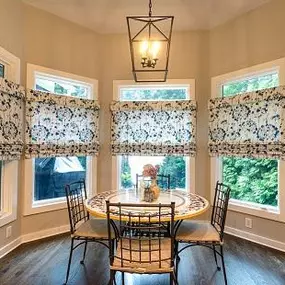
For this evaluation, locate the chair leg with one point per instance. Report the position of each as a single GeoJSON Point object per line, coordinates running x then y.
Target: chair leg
{"type": "Point", "coordinates": [215, 255]}
{"type": "Point", "coordinates": [174, 277]}
{"type": "Point", "coordinates": [171, 278]}
{"type": "Point", "coordinates": [223, 263]}
{"type": "Point", "coordinates": [112, 277]}
{"type": "Point", "coordinates": [84, 253]}
{"type": "Point", "coordinates": [123, 278]}
{"type": "Point", "coordinates": [69, 260]}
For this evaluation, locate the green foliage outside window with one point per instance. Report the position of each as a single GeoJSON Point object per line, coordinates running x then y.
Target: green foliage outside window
{"type": "Point", "coordinates": [175, 167]}
{"type": "Point", "coordinates": [153, 94]}
{"type": "Point", "coordinates": [251, 180]}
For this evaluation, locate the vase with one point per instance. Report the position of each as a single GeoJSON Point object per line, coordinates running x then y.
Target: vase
{"type": "Point", "coordinates": [154, 188]}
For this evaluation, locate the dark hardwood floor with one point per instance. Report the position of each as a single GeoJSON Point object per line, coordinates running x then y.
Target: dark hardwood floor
{"type": "Point", "coordinates": [44, 263]}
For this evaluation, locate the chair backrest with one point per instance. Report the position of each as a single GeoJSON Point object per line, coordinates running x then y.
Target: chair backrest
{"type": "Point", "coordinates": [75, 196]}
{"type": "Point", "coordinates": [163, 181]}
{"type": "Point", "coordinates": [220, 207]}
{"type": "Point", "coordinates": [141, 235]}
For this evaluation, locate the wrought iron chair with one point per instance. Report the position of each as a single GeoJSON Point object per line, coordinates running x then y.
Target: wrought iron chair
{"type": "Point", "coordinates": [82, 228]}
{"type": "Point", "coordinates": [163, 181]}
{"type": "Point", "coordinates": [142, 247]}
{"type": "Point", "coordinates": [209, 234]}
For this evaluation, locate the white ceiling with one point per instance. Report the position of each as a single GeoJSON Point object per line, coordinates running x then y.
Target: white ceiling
{"type": "Point", "coordinates": [109, 16]}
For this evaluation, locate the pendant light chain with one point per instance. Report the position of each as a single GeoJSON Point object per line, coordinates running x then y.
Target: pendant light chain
{"type": "Point", "coordinates": [150, 6]}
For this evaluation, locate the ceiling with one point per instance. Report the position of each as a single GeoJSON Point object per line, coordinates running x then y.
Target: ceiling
{"type": "Point", "coordinates": [109, 16]}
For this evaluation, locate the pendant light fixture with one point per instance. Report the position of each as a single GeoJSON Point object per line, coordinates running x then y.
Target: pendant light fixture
{"type": "Point", "coordinates": [150, 38]}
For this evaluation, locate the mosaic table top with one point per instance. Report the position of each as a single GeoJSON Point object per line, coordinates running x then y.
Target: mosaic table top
{"type": "Point", "coordinates": [187, 205]}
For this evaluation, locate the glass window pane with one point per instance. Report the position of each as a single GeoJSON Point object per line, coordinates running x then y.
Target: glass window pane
{"type": "Point", "coordinates": [61, 87]}
{"type": "Point", "coordinates": [152, 93]}
{"type": "Point", "coordinates": [175, 166]}
{"type": "Point", "coordinates": [53, 173]}
{"type": "Point", "coordinates": [2, 70]}
{"type": "Point", "coordinates": [252, 180]}
{"type": "Point", "coordinates": [251, 84]}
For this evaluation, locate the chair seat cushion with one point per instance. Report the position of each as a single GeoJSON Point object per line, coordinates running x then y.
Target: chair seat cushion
{"type": "Point", "coordinates": [151, 258]}
{"type": "Point", "coordinates": [93, 228]}
{"type": "Point", "coordinates": [193, 231]}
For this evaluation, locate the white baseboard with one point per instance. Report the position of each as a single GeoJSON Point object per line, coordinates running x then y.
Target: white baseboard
{"type": "Point", "coordinates": [10, 246]}
{"type": "Point", "coordinates": [32, 237]}
{"type": "Point", "coordinates": [44, 233]}
{"type": "Point", "coordinates": [256, 238]}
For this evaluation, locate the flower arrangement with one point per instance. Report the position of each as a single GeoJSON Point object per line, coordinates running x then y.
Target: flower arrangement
{"type": "Point", "coordinates": [150, 170]}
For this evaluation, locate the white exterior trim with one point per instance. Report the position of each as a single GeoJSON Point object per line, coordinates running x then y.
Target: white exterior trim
{"type": "Point", "coordinates": [277, 213]}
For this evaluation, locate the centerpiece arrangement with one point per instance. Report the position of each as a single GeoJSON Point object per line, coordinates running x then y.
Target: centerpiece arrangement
{"type": "Point", "coordinates": [151, 190]}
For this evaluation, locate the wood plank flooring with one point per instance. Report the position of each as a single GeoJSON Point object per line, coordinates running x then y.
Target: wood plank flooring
{"type": "Point", "coordinates": [44, 263]}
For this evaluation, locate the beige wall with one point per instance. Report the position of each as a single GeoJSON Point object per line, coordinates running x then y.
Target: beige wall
{"type": "Point", "coordinates": [254, 38]}
{"type": "Point", "coordinates": [11, 39]}
{"type": "Point", "coordinates": [40, 38]}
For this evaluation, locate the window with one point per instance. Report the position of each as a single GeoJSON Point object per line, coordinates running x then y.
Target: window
{"type": "Point", "coordinates": [255, 183]}
{"type": "Point", "coordinates": [51, 174]}
{"type": "Point", "coordinates": [177, 166]}
{"type": "Point", "coordinates": [10, 69]}
{"type": "Point", "coordinates": [2, 70]}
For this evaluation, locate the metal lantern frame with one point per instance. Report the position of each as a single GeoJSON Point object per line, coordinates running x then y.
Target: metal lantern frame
{"type": "Point", "coordinates": [149, 24]}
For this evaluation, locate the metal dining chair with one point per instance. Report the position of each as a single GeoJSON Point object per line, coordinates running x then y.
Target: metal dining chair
{"type": "Point", "coordinates": [163, 181]}
{"type": "Point", "coordinates": [82, 228]}
{"type": "Point", "coordinates": [142, 247]}
{"type": "Point", "coordinates": [209, 234]}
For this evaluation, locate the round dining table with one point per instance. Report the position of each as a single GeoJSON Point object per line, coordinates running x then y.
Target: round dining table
{"type": "Point", "coordinates": [187, 205]}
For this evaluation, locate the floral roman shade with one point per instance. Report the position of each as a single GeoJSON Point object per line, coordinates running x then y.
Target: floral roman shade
{"type": "Point", "coordinates": [248, 125]}
{"type": "Point", "coordinates": [11, 120]}
{"type": "Point", "coordinates": [153, 128]}
{"type": "Point", "coordinates": [60, 125]}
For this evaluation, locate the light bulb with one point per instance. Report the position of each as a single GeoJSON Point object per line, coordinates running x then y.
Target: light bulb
{"type": "Point", "coordinates": [144, 48]}
{"type": "Point", "coordinates": [154, 49]}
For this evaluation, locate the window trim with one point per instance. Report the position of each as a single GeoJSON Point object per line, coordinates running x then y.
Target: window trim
{"type": "Point", "coordinates": [190, 161]}
{"type": "Point", "coordinates": [268, 212]}
{"type": "Point", "coordinates": [9, 193]}
{"type": "Point", "coordinates": [12, 65]}
{"type": "Point", "coordinates": [34, 207]}
{"type": "Point", "coordinates": [10, 169]}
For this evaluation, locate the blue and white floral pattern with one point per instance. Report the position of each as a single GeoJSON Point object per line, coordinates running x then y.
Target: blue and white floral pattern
{"type": "Point", "coordinates": [60, 125]}
{"type": "Point", "coordinates": [249, 124]}
{"type": "Point", "coordinates": [11, 120]}
{"type": "Point", "coordinates": [153, 128]}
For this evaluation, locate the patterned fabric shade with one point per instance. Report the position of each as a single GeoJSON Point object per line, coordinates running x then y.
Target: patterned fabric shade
{"type": "Point", "coordinates": [11, 116]}
{"type": "Point", "coordinates": [60, 125]}
{"type": "Point", "coordinates": [248, 125]}
{"type": "Point", "coordinates": [153, 128]}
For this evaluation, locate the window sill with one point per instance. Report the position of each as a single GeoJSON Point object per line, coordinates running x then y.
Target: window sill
{"type": "Point", "coordinates": [267, 212]}
{"type": "Point", "coordinates": [46, 206]}
{"type": "Point", "coordinates": [6, 218]}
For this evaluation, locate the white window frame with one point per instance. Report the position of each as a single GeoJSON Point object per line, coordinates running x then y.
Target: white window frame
{"type": "Point", "coordinates": [268, 212]}
{"type": "Point", "coordinates": [11, 64]}
{"type": "Point", "coordinates": [190, 161]}
{"type": "Point", "coordinates": [10, 169]}
{"type": "Point", "coordinates": [46, 205]}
